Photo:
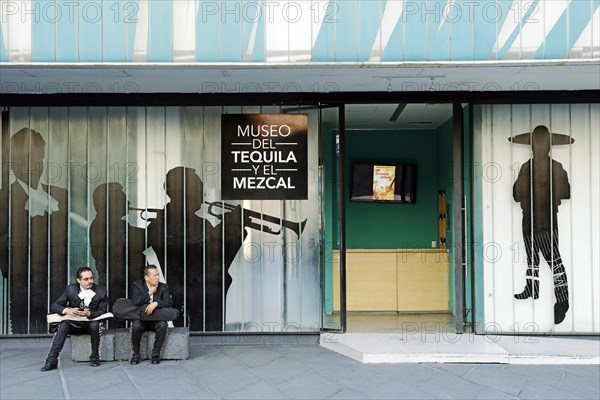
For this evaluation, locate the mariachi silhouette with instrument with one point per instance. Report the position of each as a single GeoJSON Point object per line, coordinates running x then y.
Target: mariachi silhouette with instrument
{"type": "Point", "coordinates": [194, 254]}
{"type": "Point", "coordinates": [540, 187]}
{"type": "Point", "coordinates": [34, 217]}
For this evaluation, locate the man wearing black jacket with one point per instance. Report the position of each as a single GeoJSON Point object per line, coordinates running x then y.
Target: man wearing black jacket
{"type": "Point", "coordinates": [85, 299]}
{"type": "Point", "coordinates": [155, 294]}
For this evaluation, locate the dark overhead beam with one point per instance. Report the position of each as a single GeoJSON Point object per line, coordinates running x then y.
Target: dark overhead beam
{"type": "Point", "coordinates": [219, 99]}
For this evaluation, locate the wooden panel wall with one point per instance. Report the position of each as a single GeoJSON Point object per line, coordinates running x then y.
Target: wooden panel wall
{"type": "Point", "coordinates": [403, 280]}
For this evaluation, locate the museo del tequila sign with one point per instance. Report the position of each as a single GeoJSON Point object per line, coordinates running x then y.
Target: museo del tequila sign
{"type": "Point", "coordinates": [264, 156]}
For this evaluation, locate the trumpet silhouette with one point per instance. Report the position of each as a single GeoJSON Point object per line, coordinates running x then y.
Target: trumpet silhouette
{"type": "Point", "coordinates": [297, 227]}
{"type": "Point", "coordinates": [147, 213]}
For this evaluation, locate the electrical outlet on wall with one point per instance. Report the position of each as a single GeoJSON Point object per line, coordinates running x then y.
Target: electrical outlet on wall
{"type": "Point", "coordinates": [433, 244]}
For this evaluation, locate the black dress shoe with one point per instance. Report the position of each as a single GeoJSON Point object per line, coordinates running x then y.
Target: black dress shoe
{"type": "Point", "coordinates": [134, 360]}
{"type": "Point", "coordinates": [560, 311]}
{"type": "Point", "coordinates": [48, 367]}
{"type": "Point", "coordinates": [95, 363]}
{"type": "Point", "coordinates": [155, 361]}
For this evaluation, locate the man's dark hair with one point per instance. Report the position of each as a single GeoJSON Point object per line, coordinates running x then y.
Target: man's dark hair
{"type": "Point", "coordinates": [82, 270]}
{"type": "Point", "coordinates": [147, 268]}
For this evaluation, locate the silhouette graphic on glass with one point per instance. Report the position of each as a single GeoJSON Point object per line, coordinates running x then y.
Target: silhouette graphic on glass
{"type": "Point", "coordinates": [37, 268]}
{"type": "Point", "coordinates": [541, 185]}
{"type": "Point", "coordinates": [195, 255]}
{"type": "Point", "coordinates": [117, 246]}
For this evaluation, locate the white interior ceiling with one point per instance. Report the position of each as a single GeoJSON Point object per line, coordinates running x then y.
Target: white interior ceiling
{"type": "Point", "coordinates": [309, 77]}
{"type": "Point", "coordinates": [412, 116]}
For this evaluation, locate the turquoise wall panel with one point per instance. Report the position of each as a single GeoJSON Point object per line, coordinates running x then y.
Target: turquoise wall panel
{"type": "Point", "coordinates": [462, 36]}
{"type": "Point", "coordinates": [346, 32]}
{"type": "Point", "coordinates": [131, 20]}
{"type": "Point", "coordinates": [323, 50]}
{"type": "Point", "coordinates": [415, 29]}
{"type": "Point", "coordinates": [488, 19]}
{"type": "Point", "coordinates": [394, 50]}
{"type": "Point", "coordinates": [567, 30]}
{"type": "Point", "coordinates": [43, 39]}
{"type": "Point", "coordinates": [438, 31]}
{"type": "Point", "coordinates": [3, 52]}
{"type": "Point", "coordinates": [67, 32]}
{"type": "Point", "coordinates": [230, 31]}
{"type": "Point", "coordinates": [114, 30]}
{"type": "Point", "coordinates": [236, 30]}
{"type": "Point", "coordinates": [528, 13]}
{"type": "Point", "coordinates": [207, 32]}
{"type": "Point", "coordinates": [90, 34]}
{"type": "Point", "coordinates": [160, 37]}
{"type": "Point", "coordinates": [370, 14]}
{"type": "Point", "coordinates": [253, 19]}
{"type": "Point", "coordinates": [259, 54]}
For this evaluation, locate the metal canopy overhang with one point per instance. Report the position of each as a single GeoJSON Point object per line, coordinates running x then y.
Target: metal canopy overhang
{"type": "Point", "coordinates": [264, 79]}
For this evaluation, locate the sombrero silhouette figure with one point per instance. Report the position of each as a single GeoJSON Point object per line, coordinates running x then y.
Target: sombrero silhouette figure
{"type": "Point", "coordinates": [541, 136]}
{"type": "Point", "coordinates": [541, 185]}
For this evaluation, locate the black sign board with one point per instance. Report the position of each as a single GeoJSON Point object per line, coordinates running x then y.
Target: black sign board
{"type": "Point", "coordinates": [264, 156]}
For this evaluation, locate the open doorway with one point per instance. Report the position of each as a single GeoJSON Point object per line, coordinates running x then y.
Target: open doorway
{"type": "Point", "coordinates": [399, 250]}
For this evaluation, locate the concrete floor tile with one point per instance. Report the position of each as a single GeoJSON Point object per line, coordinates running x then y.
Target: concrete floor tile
{"type": "Point", "coordinates": [538, 390]}
{"type": "Point", "coordinates": [347, 393]}
{"type": "Point", "coordinates": [257, 356]}
{"type": "Point", "coordinates": [309, 386]}
{"type": "Point", "coordinates": [280, 370]}
{"type": "Point", "coordinates": [202, 394]}
{"type": "Point", "coordinates": [497, 377]}
{"type": "Point", "coordinates": [49, 388]}
{"type": "Point", "coordinates": [123, 390]}
{"type": "Point", "coordinates": [398, 390]}
{"type": "Point", "coordinates": [574, 383]}
{"type": "Point", "coordinates": [492, 395]}
{"type": "Point", "coordinates": [443, 385]}
{"type": "Point", "coordinates": [257, 390]}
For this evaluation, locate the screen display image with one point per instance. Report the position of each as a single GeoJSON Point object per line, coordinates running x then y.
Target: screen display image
{"type": "Point", "coordinates": [384, 183]}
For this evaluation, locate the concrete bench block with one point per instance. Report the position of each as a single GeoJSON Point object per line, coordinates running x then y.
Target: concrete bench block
{"type": "Point", "coordinates": [123, 345]}
{"type": "Point", "coordinates": [176, 346]}
{"type": "Point", "coordinates": [81, 346]}
{"type": "Point", "coordinates": [116, 345]}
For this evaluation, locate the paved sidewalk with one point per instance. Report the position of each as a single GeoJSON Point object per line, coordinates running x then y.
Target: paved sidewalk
{"type": "Point", "coordinates": [277, 370]}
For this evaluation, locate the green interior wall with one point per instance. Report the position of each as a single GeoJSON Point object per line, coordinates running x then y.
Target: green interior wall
{"type": "Point", "coordinates": [389, 226]}
{"type": "Point", "coordinates": [392, 226]}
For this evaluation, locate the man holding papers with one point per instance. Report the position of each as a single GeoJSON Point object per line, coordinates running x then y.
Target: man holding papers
{"type": "Point", "coordinates": [83, 299]}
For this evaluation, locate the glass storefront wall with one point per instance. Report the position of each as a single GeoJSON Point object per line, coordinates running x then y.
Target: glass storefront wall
{"type": "Point", "coordinates": [112, 188]}
{"type": "Point", "coordinates": [538, 218]}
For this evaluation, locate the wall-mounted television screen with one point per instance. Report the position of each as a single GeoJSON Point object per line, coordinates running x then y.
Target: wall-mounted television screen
{"type": "Point", "coordinates": [384, 182]}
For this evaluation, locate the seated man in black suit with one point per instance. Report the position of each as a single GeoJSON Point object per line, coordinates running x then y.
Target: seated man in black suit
{"type": "Point", "coordinates": [155, 294]}
{"type": "Point", "coordinates": [85, 299]}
